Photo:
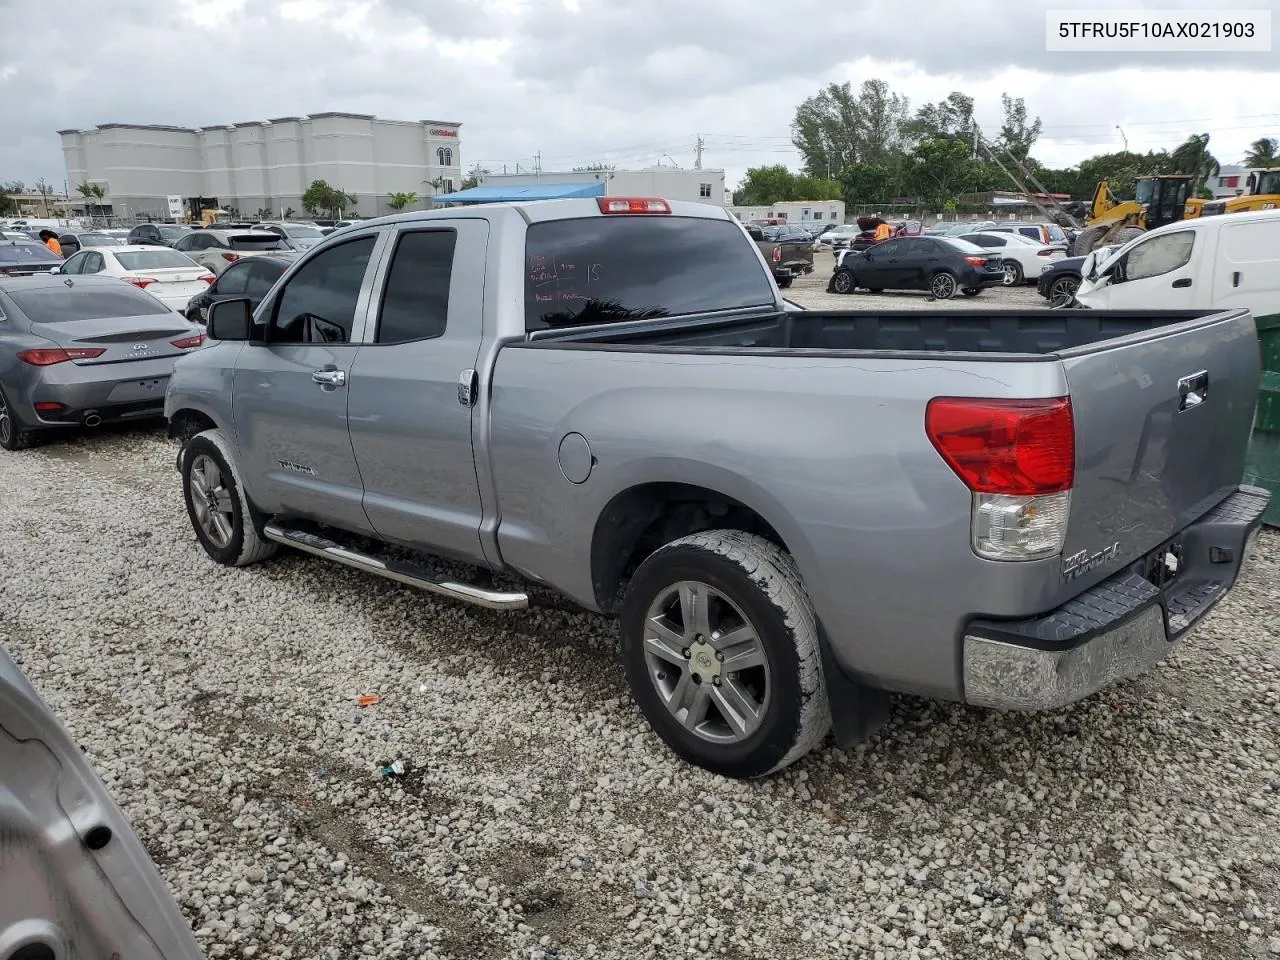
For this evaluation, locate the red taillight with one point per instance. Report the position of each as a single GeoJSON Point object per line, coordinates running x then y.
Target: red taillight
{"type": "Point", "coordinates": [231, 257]}
{"type": "Point", "coordinates": [189, 343]}
{"type": "Point", "coordinates": [1046, 252]}
{"type": "Point", "coordinates": [140, 282]}
{"type": "Point", "coordinates": [777, 254]}
{"type": "Point", "coordinates": [44, 357]}
{"type": "Point", "coordinates": [633, 205]}
{"type": "Point", "coordinates": [208, 278]}
{"type": "Point", "coordinates": [1008, 447]}
{"type": "Point", "coordinates": [976, 261]}
{"type": "Point", "coordinates": [48, 406]}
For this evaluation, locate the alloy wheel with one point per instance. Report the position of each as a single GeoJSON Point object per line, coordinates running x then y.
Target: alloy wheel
{"type": "Point", "coordinates": [211, 501]}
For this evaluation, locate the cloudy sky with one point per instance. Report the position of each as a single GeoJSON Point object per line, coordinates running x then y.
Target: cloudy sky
{"type": "Point", "coordinates": [629, 83]}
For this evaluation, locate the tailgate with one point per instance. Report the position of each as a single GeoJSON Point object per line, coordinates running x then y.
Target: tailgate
{"type": "Point", "coordinates": [793, 250]}
{"type": "Point", "coordinates": [1150, 457]}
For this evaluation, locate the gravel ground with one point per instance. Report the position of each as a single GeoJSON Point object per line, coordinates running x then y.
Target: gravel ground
{"type": "Point", "coordinates": [811, 292]}
{"type": "Point", "coordinates": [538, 816]}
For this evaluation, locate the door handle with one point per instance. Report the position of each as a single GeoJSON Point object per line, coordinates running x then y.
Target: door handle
{"type": "Point", "coordinates": [329, 378]}
{"type": "Point", "coordinates": [1184, 282]}
{"type": "Point", "coordinates": [1193, 390]}
{"type": "Point", "coordinates": [1235, 279]}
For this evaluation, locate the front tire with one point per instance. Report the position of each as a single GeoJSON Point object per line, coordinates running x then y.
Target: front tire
{"type": "Point", "coordinates": [720, 647]}
{"type": "Point", "coordinates": [227, 525]}
{"type": "Point", "coordinates": [842, 282]}
{"type": "Point", "coordinates": [1063, 291]}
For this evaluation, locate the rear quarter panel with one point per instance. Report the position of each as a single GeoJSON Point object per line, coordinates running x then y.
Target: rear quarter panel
{"type": "Point", "coordinates": [830, 451]}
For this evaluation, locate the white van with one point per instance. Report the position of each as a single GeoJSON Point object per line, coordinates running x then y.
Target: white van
{"type": "Point", "coordinates": [1217, 262]}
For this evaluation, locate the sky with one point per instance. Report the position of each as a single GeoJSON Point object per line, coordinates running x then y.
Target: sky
{"type": "Point", "coordinates": [614, 81]}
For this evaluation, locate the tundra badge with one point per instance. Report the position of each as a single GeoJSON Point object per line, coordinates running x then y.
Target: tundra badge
{"type": "Point", "coordinates": [1082, 562]}
{"type": "Point", "coordinates": [296, 467]}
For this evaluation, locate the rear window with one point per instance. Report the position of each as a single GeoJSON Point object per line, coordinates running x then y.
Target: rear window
{"type": "Point", "coordinates": [62, 304]}
{"type": "Point", "coordinates": [20, 252]}
{"type": "Point", "coordinates": [256, 241]}
{"type": "Point", "coordinates": [155, 260]}
{"type": "Point", "coordinates": [173, 233]}
{"type": "Point", "coordinates": [964, 246]}
{"type": "Point", "coordinates": [614, 269]}
{"type": "Point", "coordinates": [1056, 234]}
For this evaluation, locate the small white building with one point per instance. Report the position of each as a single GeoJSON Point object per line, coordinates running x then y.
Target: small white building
{"type": "Point", "coordinates": [1231, 181]}
{"type": "Point", "coordinates": [816, 212]}
{"type": "Point", "coordinates": [670, 183]}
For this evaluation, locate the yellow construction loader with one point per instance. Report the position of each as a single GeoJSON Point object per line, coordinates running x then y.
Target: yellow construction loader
{"type": "Point", "coordinates": [1156, 201]}
{"type": "Point", "coordinates": [1262, 193]}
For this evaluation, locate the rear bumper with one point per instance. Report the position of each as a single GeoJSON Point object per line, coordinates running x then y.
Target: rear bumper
{"type": "Point", "coordinates": [795, 269]}
{"type": "Point", "coordinates": [1120, 628]}
{"type": "Point", "coordinates": [113, 391]}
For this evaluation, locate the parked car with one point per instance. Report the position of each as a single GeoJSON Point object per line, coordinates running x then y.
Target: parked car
{"type": "Point", "coordinates": [788, 251]}
{"type": "Point", "coordinates": [78, 881]}
{"type": "Point", "coordinates": [944, 266]}
{"type": "Point", "coordinates": [172, 278]}
{"type": "Point", "coordinates": [1020, 257]}
{"type": "Point", "coordinates": [26, 256]}
{"type": "Point", "coordinates": [75, 242]}
{"type": "Point", "coordinates": [960, 229]}
{"type": "Point", "coordinates": [81, 351]}
{"type": "Point", "coordinates": [156, 234]}
{"type": "Point", "coordinates": [117, 233]}
{"type": "Point", "coordinates": [840, 237]}
{"type": "Point", "coordinates": [1046, 233]}
{"type": "Point", "coordinates": [1221, 262]}
{"type": "Point", "coordinates": [14, 235]}
{"type": "Point", "coordinates": [757, 493]}
{"type": "Point", "coordinates": [298, 236]}
{"type": "Point", "coordinates": [248, 278]}
{"type": "Point", "coordinates": [1060, 277]}
{"type": "Point", "coordinates": [216, 249]}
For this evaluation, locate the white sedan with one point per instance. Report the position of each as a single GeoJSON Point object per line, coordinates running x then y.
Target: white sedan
{"type": "Point", "coordinates": [172, 278]}
{"type": "Point", "coordinates": [1021, 257]}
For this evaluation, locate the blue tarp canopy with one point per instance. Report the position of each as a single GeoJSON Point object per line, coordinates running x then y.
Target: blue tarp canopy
{"type": "Point", "coordinates": [537, 191]}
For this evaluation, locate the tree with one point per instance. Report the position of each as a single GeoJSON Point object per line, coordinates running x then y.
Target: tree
{"type": "Point", "coordinates": [8, 205]}
{"type": "Point", "coordinates": [320, 197]}
{"type": "Point", "coordinates": [99, 194]}
{"type": "Point", "coordinates": [943, 168]}
{"type": "Point", "coordinates": [948, 117]}
{"type": "Point", "coordinates": [1193, 157]}
{"type": "Point", "coordinates": [865, 183]}
{"type": "Point", "coordinates": [474, 176]}
{"type": "Point", "coordinates": [1262, 153]}
{"type": "Point", "coordinates": [398, 201]}
{"type": "Point", "coordinates": [262, 214]}
{"type": "Point", "coordinates": [765, 186]}
{"type": "Point", "coordinates": [1016, 135]}
{"type": "Point", "coordinates": [86, 191]}
{"type": "Point", "coordinates": [593, 168]}
{"type": "Point", "coordinates": [43, 187]}
{"type": "Point", "coordinates": [836, 127]}
{"type": "Point", "coordinates": [806, 187]}
{"type": "Point", "coordinates": [13, 187]}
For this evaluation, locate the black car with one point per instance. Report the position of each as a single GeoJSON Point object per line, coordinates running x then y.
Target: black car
{"type": "Point", "coordinates": [75, 242]}
{"type": "Point", "coordinates": [941, 265]}
{"type": "Point", "coordinates": [157, 234]}
{"type": "Point", "coordinates": [249, 278]}
{"type": "Point", "coordinates": [1058, 284]}
{"type": "Point", "coordinates": [21, 258]}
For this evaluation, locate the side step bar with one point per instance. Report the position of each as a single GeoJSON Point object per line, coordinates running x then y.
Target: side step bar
{"type": "Point", "coordinates": [412, 575]}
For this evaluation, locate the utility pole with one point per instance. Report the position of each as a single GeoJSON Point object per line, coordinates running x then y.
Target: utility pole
{"type": "Point", "coordinates": [975, 141]}
{"type": "Point", "coordinates": [697, 155]}
{"type": "Point", "coordinates": [537, 163]}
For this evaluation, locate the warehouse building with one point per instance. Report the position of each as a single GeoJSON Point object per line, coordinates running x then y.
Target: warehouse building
{"type": "Point", "coordinates": [672, 183]}
{"type": "Point", "coordinates": [265, 165]}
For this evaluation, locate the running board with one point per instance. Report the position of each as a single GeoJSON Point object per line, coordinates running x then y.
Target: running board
{"type": "Point", "coordinates": [406, 573]}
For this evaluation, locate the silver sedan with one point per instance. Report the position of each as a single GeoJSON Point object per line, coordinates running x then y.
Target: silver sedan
{"type": "Point", "coordinates": [83, 350]}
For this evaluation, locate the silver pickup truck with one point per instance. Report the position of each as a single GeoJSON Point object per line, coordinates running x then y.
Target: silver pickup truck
{"type": "Point", "coordinates": [789, 512]}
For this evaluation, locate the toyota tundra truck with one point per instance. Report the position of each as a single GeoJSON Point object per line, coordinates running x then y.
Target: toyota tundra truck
{"type": "Point", "coordinates": [789, 512]}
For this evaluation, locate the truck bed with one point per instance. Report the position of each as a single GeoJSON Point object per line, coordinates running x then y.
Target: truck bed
{"type": "Point", "coordinates": [888, 333]}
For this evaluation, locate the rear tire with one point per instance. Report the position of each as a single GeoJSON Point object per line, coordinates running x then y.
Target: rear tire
{"type": "Point", "coordinates": [842, 282]}
{"type": "Point", "coordinates": [784, 282]}
{"type": "Point", "coordinates": [13, 434]}
{"type": "Point", "coordinates": [943, 285]}
{"type": "Point", "coordinates": [1012, 273]}
{"type": "Point", "coordinates": [693, 608]}
{"type": "Point", "coordinates": [971, 291]}
{"type": "Point", "coordinates": [227, 525]}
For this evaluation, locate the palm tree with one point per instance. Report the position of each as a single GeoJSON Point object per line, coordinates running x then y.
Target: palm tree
{"type": "Point", "coordinates": [1193, 157]}
{"type": "Point", "coordinates": [1262, 153]}
{"type": "Point", "coordinates": [86, 190]}
{"type": "Point", "coordinates": [398, 201]}
{"type": "Point", "coordinates": [99, 192]}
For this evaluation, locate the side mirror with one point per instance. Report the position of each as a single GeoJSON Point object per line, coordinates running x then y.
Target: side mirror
{"type": "Point", "coordinates": [55, 270]}
{"type": "Point", "coordinates": [230, 320]}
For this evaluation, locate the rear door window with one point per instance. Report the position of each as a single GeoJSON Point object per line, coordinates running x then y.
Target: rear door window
{"type": "Point", "coordinates": [415, 304]}
{"type": "Point", "coordinates": [612, 269]}
{"type": "Point", "coordinates": [262, 277]}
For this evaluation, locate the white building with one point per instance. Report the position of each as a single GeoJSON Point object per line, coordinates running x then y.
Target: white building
{"type": "Point", "coordinates": [265, 164]}
{"type": "Point", "coordinates": [671, 183]}
{"type": "Point", "coordinates": [816, 212]}
{"type": "Point", "coordinates": [1231, 181]}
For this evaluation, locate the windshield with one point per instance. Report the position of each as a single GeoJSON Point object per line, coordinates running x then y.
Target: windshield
{"type": "Point", "coordinates": [19, 252]}
{"type": "Point", "coordinates": [63, 304]}
{"type": "Point", "coordinates": [614, 269]}
{"type": "Point", "coordinates": [1268, 183]}
{"type": "Point", "coordinates": [173, 233]}
{"type": "Point", "coordinates": [156, 260]}
{"type": "Point", "coordinates": [303, 233]}
{"type": "Point", "coordinates": [1145, 191]}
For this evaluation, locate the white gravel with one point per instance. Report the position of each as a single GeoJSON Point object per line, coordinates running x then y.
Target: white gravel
{"type": "Point", "coordinates": [540, 818]}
